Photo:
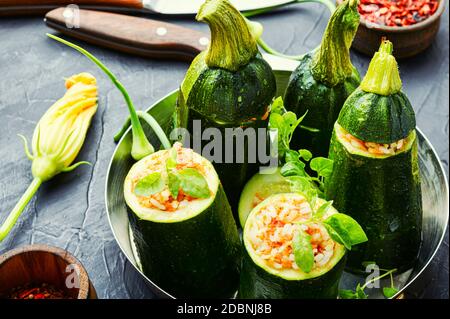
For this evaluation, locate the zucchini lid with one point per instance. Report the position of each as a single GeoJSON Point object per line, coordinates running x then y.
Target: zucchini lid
{"type": "Point", "coordinates": [231, 72]}
{"type": "Point", "coordinates": [194, 207]}
{"type": "Point", "coordinates": [378, 111]}
{"type": "Point", "coordinates": [290, 274]}
{"type": "Point", "coordinates": [331, 63]}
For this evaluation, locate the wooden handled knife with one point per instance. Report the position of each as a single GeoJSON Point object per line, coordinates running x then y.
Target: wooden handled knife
{"type": "Point", "coordinates": [133, 35]}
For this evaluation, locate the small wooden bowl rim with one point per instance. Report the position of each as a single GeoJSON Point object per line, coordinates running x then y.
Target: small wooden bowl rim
{"type": "Point", "coordinates": [83, 278]}
{"type": "Point", "coordinates": [409, 28]}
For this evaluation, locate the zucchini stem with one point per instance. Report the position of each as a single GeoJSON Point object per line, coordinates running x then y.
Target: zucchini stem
{"type": "Point", "coordinates": [382, 76]}
{"type": "Point", "coordinates": [232, 43]}
{"type": "Point", "coordinates": [8, 224]}
{"type": "Point", "coordinates": [331, 63]}
{"type": "Point", "coordinates": [141, 146]}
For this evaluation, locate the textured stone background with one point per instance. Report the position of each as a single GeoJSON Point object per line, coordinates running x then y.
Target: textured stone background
{"type": "Point", "coordinates": [69, 211]}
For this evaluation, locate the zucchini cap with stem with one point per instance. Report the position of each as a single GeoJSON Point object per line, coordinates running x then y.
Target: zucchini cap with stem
{"type": "Point", "coordinates": [141, 146]}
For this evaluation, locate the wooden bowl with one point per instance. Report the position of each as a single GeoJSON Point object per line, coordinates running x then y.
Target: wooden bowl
{"type": "Point", "coordinates": [408, 40]}
{"type": "Point", "coordinates": [37, 264]}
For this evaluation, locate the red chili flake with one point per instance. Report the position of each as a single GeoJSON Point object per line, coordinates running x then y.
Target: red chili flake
{"type": "Point", "coordinates": [42, 291]}
{"type": "Point", "coordinates": [397, 12]}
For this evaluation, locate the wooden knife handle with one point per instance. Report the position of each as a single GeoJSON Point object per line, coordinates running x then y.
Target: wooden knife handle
{"type": "Point", "coordinates": [138, 36]}
{"type": "Point", "coordinates": [37, 7]}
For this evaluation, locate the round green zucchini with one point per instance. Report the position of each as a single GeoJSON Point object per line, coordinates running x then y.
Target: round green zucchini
{"type": "Point", "coordinates": [228, 86]}
{"type": "Point", "coordinates": [380, 191]}
{"type": "Point", "coordinates": [323, 81]}
{"type": "Point", "coordinates": [192, 252]}
{"type": "Point", "coordinates": [259, 280]}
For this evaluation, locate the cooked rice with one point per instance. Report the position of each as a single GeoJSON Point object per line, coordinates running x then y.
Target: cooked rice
{"type": "Point", "coordinates": [163, 200]}
{"type": "Point", "coordinates": [273, 228]}
{"type": "Point", "coordinates": [370, 147]}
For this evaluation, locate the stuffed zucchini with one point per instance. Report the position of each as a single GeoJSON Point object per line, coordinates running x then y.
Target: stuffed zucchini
{"type": "Point", "coordinates": [323, 81]}
{"type": "Point", "coordinates": [229, 85]}
{"type": "Point", "coordinates": [183, 228]}
{"type": "Point", "coordinates": [290, 251]}
{"type": "Point", "coordinates": [376, 175]}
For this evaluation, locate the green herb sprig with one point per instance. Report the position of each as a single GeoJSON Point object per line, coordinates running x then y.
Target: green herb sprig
{"type": "Point", "coordinates": [295, 163]}
{"type": "Point", "coordinates": [359, 292]}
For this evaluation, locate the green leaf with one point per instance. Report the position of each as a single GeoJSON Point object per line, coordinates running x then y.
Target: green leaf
{"type": "Point", "coordinates": [291, 156]}
{"type": "Point", "coordinates": [303, 185]}
{"type": "Point", "coordinates": [174, 184]}
{"type": "Point", "coordinates": [276, 121]}
{"type": "Point", "coordinates": [293, 169]}
{"type": "Point", "coordinates": [389, 292]}
{"type": "Point", "coordinates": [277, 106]}
{"type": "Point", "coordinates": [305, 154]}
{"type": "Point", "coordinates": [193, 183]}
{"type": "Point", "coordinates": [347, 294]}
{"type": "Point", "coordinates": [336, 237]}
{"type": "Point", "coordinates": [171, 162]}
{"type": "Point", "coordinates": [323, 209]}
{"type": "Point", "coordinates": [322, 165]}
{"type": "Point", "coordinates": [303, 251]}
{"type": "Point", "coordinates": [360, 294]}
{"type": "Point", "coordinates": [149, 185]}
{"type": "Point", "coordinates": [348, 230]}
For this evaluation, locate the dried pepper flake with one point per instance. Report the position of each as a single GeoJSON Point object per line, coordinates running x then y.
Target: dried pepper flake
{"type": "Point", "coordinates": [397, 13]}
{"type": "Point", "coordinates": [42, 291]}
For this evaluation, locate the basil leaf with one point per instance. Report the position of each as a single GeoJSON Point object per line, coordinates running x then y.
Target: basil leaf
{"type": "Point", "coordinates": [174, 184]}
{"type": "Point", "coordinates": [336, 237]}
{"type": "Point", "coordinates": [303, 251]}
{"type": "Point", "coordinates": [389, 292]}
{"type": "Point", "coordinates": [347, 294]}
{"type": "Point", "coordinates": [305, 154]}
{"type": "Point", "coordinates": [149, 185]}
{"type": "Point", "coordinates": [193, 183]}
{"type": "Point", "coordinates": [323, 209]}
{"type": "Point", "coordinates": [322, 165]}
{"type": "Point", "coordinates": [293, 169]}
{"type": "Point", "coordinates": [347, 229]}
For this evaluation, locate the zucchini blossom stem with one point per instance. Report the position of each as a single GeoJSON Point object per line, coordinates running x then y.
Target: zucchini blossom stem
{"type": "Point", "coordinates": [141, 146]}
{"type": "Point", "coordinates": [10, 221]}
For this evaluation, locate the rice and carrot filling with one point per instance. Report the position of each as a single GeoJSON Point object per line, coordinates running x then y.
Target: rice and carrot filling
{"type": "Point", "coordinates": [352, 143]}
{"type": "Point", "coordinates": [163, 200]}
{"type": "Point", "coordinates": [273, 229]}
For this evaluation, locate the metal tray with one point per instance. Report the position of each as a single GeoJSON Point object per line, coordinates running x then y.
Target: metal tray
{"type": "Point", "coordinates": [434, 196]}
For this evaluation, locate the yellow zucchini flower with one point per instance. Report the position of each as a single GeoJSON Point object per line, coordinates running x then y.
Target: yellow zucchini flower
{"type": "Point", "coordinates": [58, 138]}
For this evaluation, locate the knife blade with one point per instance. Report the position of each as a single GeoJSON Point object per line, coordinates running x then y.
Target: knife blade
{"type": "Point", "coordinates": [141, 36]}
{"type": "Point", "coordinates": [166, 7]}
